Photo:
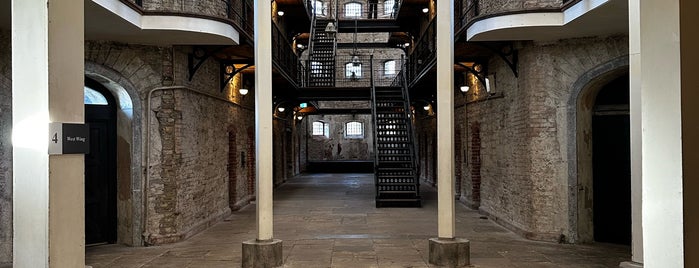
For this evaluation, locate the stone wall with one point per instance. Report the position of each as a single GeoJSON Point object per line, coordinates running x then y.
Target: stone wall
{"type": "Point", "coordinates": [214, 8]}
{"type": "Point", "coordinates": [524, 135]}
{"type": "Point", "coordinates": [492, 7]}
{"type": "Point", "coordinates": [425, 139]}
{"type": "Point", "coordinates": [188, 137]}
{"type": "Point", "coordinates": [336, 146]}
{"type": "Point", "coordinates": [5, 148]}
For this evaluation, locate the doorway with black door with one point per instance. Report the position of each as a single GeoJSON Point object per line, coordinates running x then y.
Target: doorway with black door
{"type": "Point", "coordinates": [100, 166]}
{"type": "Point", "coordinates": [611, 163]}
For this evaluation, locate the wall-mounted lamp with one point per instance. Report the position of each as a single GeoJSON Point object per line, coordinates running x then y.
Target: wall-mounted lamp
{"type": "Point", "coordinates": [425, 10]}
{"type": "Point", "coordinates": [281, 109]}
{"type": "Point", "coordinates": [280, 13]}
{"type": "Point", "coordinates": [243, 91]}
{"type": "Point", "coordinates": [426, 107]}
{"type": "Point", "coordinates": [300, 46]}
{"type": "Point", "coordinates": [406, 45]}
{"type": "Point", "coordinates": [464, 89]}
{"type": "Point", "coordinates": [299, 117]}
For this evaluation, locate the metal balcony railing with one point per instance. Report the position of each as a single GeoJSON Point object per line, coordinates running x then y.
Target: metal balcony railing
{"type": "Point", "coordinates": [239, 13]}
{"type": "Point", "coordinates": [364, 10]}
{"type": "Point", "coordinates": [284, 57]}
{"type": "Point", "coordinates": [467, 11]}
{"type": "Point", "coordinates": [242, 13]}
{"type": "Point", "coordinates": [356, 71]}
{"type": "Point", "coordinates": [423, 53]}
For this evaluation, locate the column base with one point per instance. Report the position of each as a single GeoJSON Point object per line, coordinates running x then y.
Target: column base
{"type": "Point", "coordinates": [450, 252]}
{"type": "Point", "coordinates": [630, 264]}
{"type": "Point", "coordinates": [262, 254]}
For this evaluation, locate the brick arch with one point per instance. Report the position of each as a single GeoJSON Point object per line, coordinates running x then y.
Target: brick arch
{"type": "Point", "coordinates": [585, 88]}
{"type": "Point", "coordinates": [129, 148]}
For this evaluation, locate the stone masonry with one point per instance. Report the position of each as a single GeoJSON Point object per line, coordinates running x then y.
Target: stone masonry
{"type": "Point", "coordinates": [5, 148]}
{"type": "Point", "coordinates": [523, 139]}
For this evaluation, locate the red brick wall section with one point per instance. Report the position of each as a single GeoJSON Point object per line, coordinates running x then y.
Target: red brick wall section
{"type": "Point", "coordinates": [232, 170]}
{"type": "Point", "coordinates": [251, 161]}
{"type": "Point", "coordinates": [476, 162]}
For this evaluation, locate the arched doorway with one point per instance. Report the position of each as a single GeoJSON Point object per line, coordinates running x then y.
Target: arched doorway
{"type": "Point", "coordinates": [611, 163]}
{"type": "Point", "coordinates": [100, 165]}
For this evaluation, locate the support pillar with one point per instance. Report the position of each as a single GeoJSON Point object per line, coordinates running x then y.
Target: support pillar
{"type": "Point", "coordinates": [264, 251]}
{"type": "Point", "coordinates": [446, 249]}
{"type": "Point", "coordinates": [636, 138]}
{"type": "Point", "coordinates": [47, 86]}
{"type": "Point", "coordinates": [654, 43]}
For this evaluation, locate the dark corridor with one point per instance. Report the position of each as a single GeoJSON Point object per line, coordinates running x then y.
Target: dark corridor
{"type": "Point", "coordinates": [612, 164]}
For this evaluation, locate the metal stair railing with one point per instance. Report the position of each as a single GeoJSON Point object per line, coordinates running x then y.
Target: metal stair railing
{"type": "Point", "coordinates": [375, 125]}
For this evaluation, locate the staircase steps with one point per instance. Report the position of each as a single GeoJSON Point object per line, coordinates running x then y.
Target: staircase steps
{"type": "Point", "coordinates": [396, 176]}
{"type": "Point", "coordinates": [322, 57]}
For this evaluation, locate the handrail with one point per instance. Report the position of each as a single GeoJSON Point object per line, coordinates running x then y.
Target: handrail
{"type": "Point", "coordinates": [310, 46]}
{"type": "Point", "coordinates": [283, 54]}
{"type": "Point", "coordinates": [411, 133]}
{"type": "Point", "coordinates": [423, 52]}
{"type": "Point", "coordinates": [375, 124]}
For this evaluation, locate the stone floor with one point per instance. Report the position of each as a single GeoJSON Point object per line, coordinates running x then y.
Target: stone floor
{"type": "Point", "coordinates": [329, 220]}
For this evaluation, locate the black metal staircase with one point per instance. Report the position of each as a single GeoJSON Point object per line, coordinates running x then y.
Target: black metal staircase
{"type": "Point", "coordinates": [395, 166]}
{"type": "Point", "coordinates": [322, 57]}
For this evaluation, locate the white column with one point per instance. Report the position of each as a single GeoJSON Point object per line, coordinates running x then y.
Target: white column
{"type": "Point", "coordinates": [445, 119]}
{"type": "Point", "coordinates": [636, 130]}
{"type": "Point", "coordinates": [656, 49]}
{"type": "Point", "coordinates": [47, 75]}
{"type": "Point", "coordinates": [263, 118]}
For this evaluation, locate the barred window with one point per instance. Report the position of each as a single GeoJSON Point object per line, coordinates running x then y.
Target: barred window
{"type": "Point", "coordinates": [353, 9]}
{"type": "Point", "coordinates": [354, 130]}
{"type": "Point", "coordinates": [388, 7]}
{"type": "Point", "coordinates": [321, 128]}
{"type": "Point", "coordinates": [353, 70]}
{"type": "Point", "coordinates": [319, 8]}
{"type": "Point", "coordinates": [389, 68]}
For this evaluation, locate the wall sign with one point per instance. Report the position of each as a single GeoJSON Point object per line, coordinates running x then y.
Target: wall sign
{"type": "Point", "coordinates": [67, 138]}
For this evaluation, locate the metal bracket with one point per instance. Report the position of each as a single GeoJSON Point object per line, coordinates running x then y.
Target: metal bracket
{"type": "Point", "coordinates": [479, 75]}
{"type": "Point", "coordinates": [508, 54]}
{"type": "Point", "coordinates": [200, 55]}
{"type": "Point", "coordinates": [228, 71]}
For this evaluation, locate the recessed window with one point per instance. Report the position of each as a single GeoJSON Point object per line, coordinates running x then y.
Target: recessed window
{"type": "Point", "coordinates": [354, 130]}
{"type": "Point", "coordinates": [93, 97]}
{"type": "Point", "coordinates": [319, 7]}
{"type": "Point", "coordinates": [320, 128]}
{"type": "Point", "coordinates": [353, 70]}
{"type": "Point", "coordinates": [389, 68]}
{"type": "Point", "coordinates": [353, 10]}
{"type": "Point", "coordinates": [389, 7]}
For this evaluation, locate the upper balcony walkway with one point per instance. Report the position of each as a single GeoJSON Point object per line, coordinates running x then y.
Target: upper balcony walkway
{"type": "Point", "coordinates": [497, 20]}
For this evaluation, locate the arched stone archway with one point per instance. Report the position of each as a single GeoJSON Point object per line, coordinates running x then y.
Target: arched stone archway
{"type": "Point", "coordinates": [580, 107]}
{"type": "Point", "coordinates": [129, 152]}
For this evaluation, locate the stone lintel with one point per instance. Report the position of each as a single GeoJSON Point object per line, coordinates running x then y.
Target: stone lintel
{"type": "Point", "coordinates": [630, 264]}
{"type": "Point", "coordinates": [454, 252]}
{"type": "Point", "coordinates": [262, 254]}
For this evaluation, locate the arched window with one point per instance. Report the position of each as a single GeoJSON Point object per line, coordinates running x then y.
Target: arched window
{"type": "Point", "coordinates": [353, 70]}
{"type": "Point", "coordinates": [389, 68]}
{"type": "Point", "coordinates": [93, 97]}
{"type": "Point", "coordinates": [354, 130]}
{"type": "Point", "coordinates": [389, 7]}
{"type": "Point", "coordinates": [353, 10]}
{"type": "Point", "coordinates": [319, 7]}
{"type": "Point", "coordinates": [320, 128]}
